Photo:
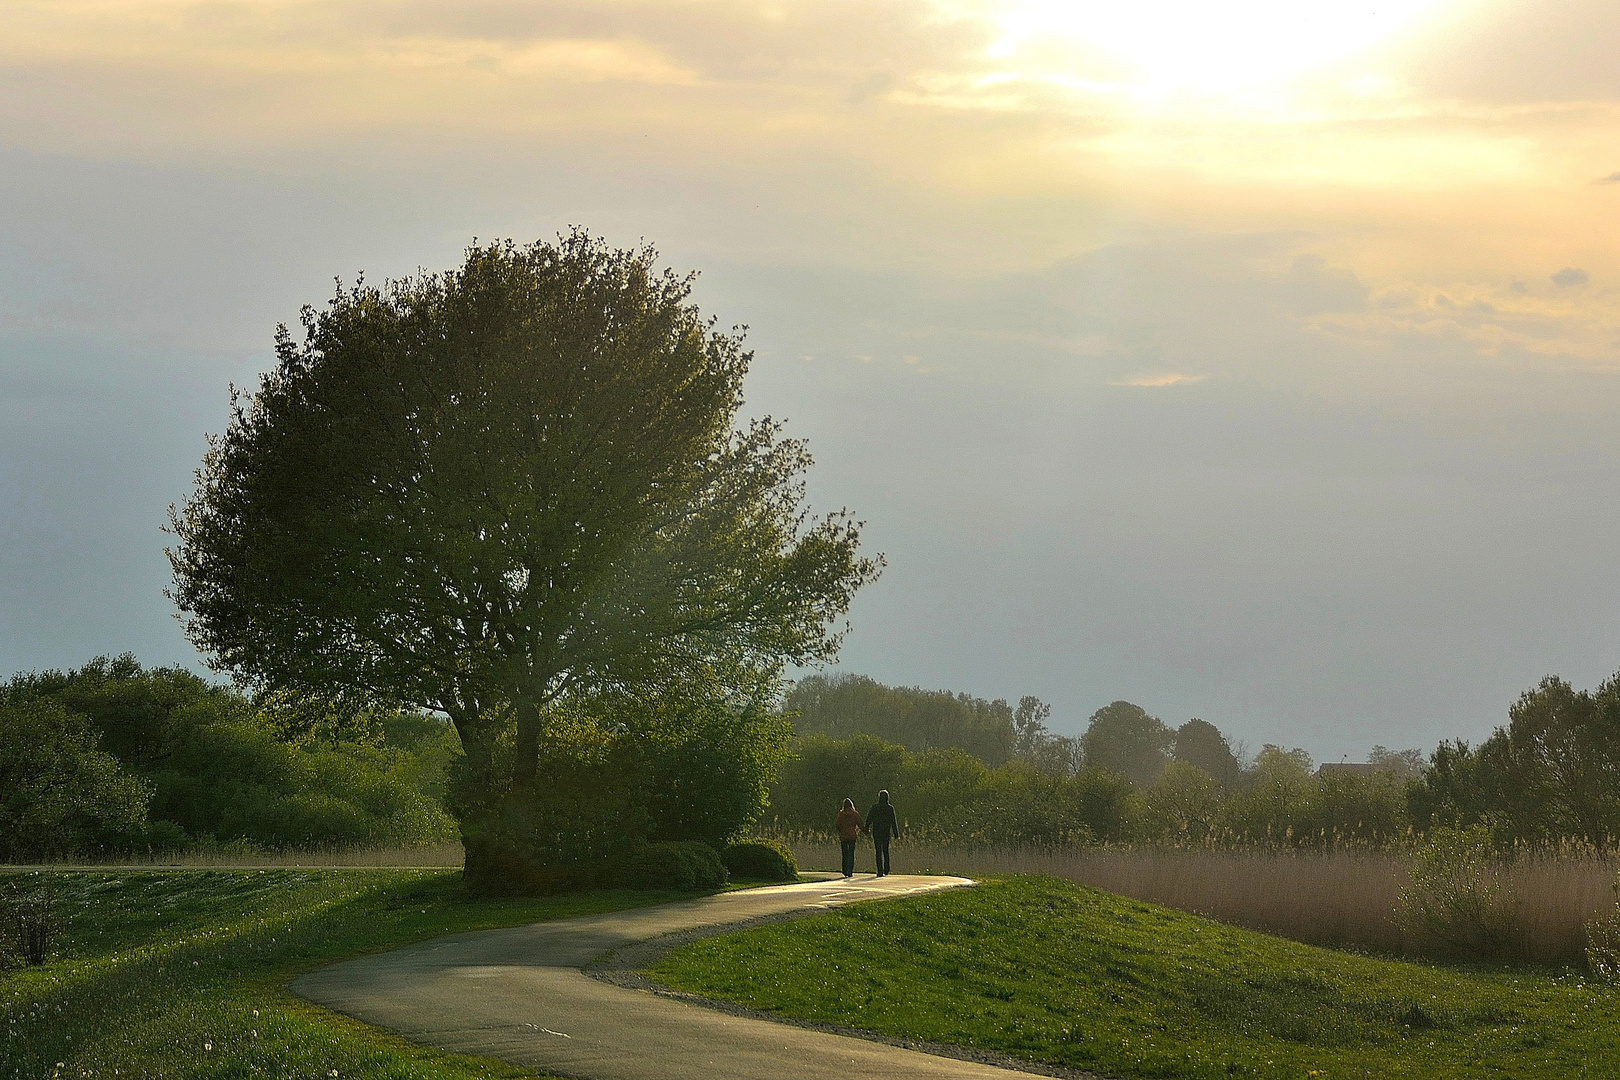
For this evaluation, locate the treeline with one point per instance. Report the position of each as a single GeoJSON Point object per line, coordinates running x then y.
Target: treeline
{"type": "Point", "coordinates": [951, 797]}
{"type": "Point", "coordinates": [112, 758]}
{"type": "Point", "coordinates": [1552, 774]}
{"type": "Point", "coordinates": [963, 769]}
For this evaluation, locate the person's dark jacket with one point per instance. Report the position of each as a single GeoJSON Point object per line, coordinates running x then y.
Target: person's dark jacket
{"type": "Point", "coordinates": [882, 822]}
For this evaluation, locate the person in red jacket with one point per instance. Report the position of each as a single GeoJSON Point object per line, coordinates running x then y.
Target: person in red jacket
{"type": "Point", "coordinates": [849, 831]}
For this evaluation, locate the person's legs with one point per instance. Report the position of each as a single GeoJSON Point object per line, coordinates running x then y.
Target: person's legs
{"type": "Point", "coordinates": [849, 857]}
{"type": "Point", "coordinates": [881, 843]}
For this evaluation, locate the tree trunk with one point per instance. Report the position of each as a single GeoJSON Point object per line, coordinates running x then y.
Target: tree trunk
{"type": "Point", "coordinates": [494, 803]}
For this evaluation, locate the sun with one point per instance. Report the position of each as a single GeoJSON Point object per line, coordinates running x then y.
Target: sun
{"type": "Point", "coordinates": [1154, 48]}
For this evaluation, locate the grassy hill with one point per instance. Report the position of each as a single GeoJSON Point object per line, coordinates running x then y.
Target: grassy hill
{"type": "Point", "coordinates": [1055, 972]}
{"type": "Point", "coordinates": [184, 974]}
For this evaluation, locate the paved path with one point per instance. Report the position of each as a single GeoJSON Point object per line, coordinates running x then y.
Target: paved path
{"type": "Point", "coordinates": [519, 994]}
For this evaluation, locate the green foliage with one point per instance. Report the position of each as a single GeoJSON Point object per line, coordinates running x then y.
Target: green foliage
{"type": "Point", "coordinates": [1552, 774]}
{"type": "Point", "coordinates": [183, 974]}
{"type": "Point", "coordinates": [1458, 895]}
{"type": "Point", "coordinates": [1366, 808]}
{"type": "Point", "coordinates": [1186, 803]}
{"type": "Point", "coordinates": [1066, 976]}
{"type": "Point", "coordinates": [618, 769]}
{"type": "Point", "coordinates": [840, 706]}
{"type": "Point", "coordinates": [821, 772]}
{"type": "Point", "coordinates": [60, 795]}
{"type": "Point", "coordinates": [947, 795]}
{"type": "Point", "coordinates": [1275, 806]}
{"type": "Point", "coordinates": [137, 712]}
{"type": "Point", "coordinates": [199, 764]}
{"type": "Point", "coordinates": [1201, 745]}
{"type": "Point", "coordinates": [760, 860]}
{"type": "Point", "coordinates": [1125, 740]}
{"type": "Point", "coordinates": [924, 721]}
{"type": "Point", "coordinates": [1603, 943]}
{"type": "Point", "coordinates": [481, 491]}
{"type": "Point", "coordinates": [666, 864]}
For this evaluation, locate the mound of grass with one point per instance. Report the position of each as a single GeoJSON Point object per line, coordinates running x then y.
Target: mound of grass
{"type": "Point", "coordinates": [184, 974]}
{"type": "Point", "coordinates": [1050, 971]}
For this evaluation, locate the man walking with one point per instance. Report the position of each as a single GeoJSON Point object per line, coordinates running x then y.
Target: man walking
{"type": "Point", "coordinates": [883, 824]}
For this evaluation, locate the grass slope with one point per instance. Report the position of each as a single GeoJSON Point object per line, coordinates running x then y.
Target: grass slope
{"type": "Point", "coordinates": [1055, 972]}
{"type": "Point", "coordinates": [184, 974]}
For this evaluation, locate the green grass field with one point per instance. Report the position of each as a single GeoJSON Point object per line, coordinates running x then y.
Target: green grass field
{"type": "Point", "coordinates": [1050, 971]}
{"type": "Point", "coordinates": [184, 974]}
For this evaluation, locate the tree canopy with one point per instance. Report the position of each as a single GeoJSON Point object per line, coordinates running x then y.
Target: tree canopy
{"type": "Point", "coordinates": [484, 490]}
{"type": "Point", "coordinates": [1125, 740]}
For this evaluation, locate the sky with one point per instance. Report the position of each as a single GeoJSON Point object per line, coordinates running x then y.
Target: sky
{"type": "Point", "coordinates": [1258, 362]}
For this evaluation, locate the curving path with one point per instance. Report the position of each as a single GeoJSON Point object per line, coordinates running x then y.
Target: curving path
{"type": "Point", "coordinates": [519, 994]}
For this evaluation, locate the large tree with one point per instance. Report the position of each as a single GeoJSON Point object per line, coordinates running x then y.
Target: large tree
{"type": "Point", "coordinates": [1200, 743]}
{"type": "Point", "coordinates": [1127, 741]}
{"type": "Point", "coordinates": [485, 490]}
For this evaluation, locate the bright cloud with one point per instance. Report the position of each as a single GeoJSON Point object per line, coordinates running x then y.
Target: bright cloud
{"type": "Point", "coordinates": [1159, 380]}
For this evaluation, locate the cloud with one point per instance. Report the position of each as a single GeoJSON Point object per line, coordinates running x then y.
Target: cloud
{"type": "Point", "coordinates": [1570, 276]}
{"type": "Point", "coordinates": [1174, 379]}
{"type": "Point", "coordinates": [1519, 51]}
{"type": "Point", "coordinates": [1612, 178]}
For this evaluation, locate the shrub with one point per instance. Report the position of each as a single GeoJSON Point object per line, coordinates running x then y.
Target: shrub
{"type": "Point", "coordinates": [1458, 895]}
{"type": "Point", "coordinates": [708, 872]}
{"type": "Point", "coordinates": [671, 864]}
{"type": "Point", "coordinates": [760, 860]}
{"type": "Point", "coordinates": [29, 925]}
{"type": "Point", "coordinates": [60, 794]}
{"type": "Point", "coordinates": [1603, 943]}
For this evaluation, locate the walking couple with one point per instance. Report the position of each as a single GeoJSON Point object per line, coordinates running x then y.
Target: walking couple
{"type": "Point", "coordinates": [881, 822]}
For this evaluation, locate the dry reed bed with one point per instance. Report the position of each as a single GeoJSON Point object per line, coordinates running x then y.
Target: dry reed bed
{"type": "Point", "coordinates": [1336, 899]}
{"type": "Point", "coordinates": [447, 855]}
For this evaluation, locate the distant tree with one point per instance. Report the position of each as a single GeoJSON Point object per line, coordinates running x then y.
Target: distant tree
{"type": "Point", "coordinates": [1106, 804]}
{"type": "Point", "coordinates": [1125, 740]}
{"type": "Point", "coordinates": [481, 491]}
{"type": "Point", "coordinates": [1552, 773]}
{"type": "Point", "coordinates": [1019, 805]}
{"type": "Point", "coordinates": [843, 705]}
{"type": "Point", "coordinates": [1404, 764]}
{"type": "Point", "coordinates": [60, 794]}
{"type": "Point", "coordinates": [1275, 808]}
{"type": "Point", "coordinates": [1201, 745]}
{"type": "Point", "coordinates": [822, 771]}
{"type": "Point", "coordinates": [938, 788]}
{"type": "Point", "coordinates": [1029, 725]}
{"type": "Point", "coordinates": [214, 767]}
{"type": "Point", "coordinates": [1563, 749]}
{"type": "Point", "coordinates": [1058, 755]}
{"type": "Point", "coordinates": [1184, 806]}
{"type": "Point", "coordinates": [137, 713]}
{"type": "Point", "coordinates": [1364, 808]}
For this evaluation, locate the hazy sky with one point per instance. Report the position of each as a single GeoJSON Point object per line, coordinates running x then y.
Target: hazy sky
{"type": "Point", "coordinates": [1256, 361]}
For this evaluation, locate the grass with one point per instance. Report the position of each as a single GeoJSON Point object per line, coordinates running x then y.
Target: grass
{"type": "Point", "coordinates": [1051, 971]}
{"type": "Point", "coordinates": [184, 973]}
{"type": "Point", "coordinates": [1338, 899]}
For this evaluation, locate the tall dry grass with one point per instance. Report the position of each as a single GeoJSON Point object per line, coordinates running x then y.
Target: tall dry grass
{"type": "Point", "coordinates": [1343, 900]}
{"type": "Point", "coordinates": [248, 856]}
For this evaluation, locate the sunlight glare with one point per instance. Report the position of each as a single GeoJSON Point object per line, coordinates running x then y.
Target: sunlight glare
{"type": "Point", "coordinates": [1164, 47]}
